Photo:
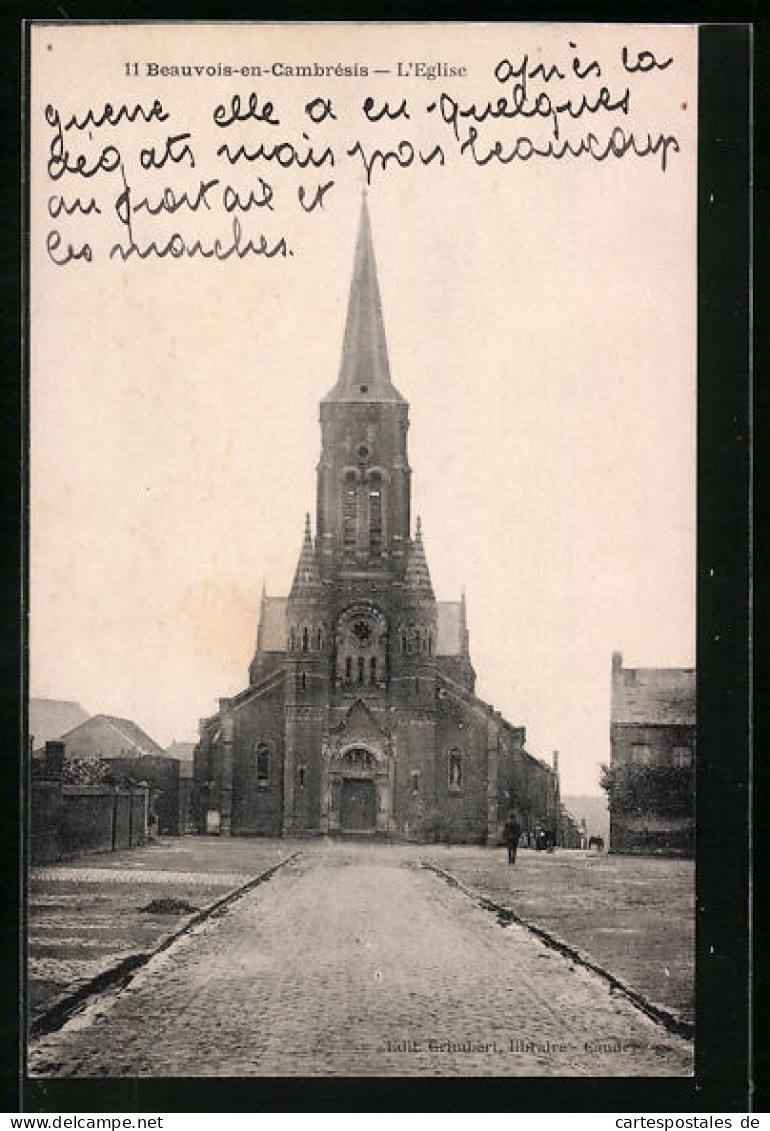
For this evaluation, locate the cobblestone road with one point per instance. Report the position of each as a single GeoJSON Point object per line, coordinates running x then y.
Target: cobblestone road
{"type": "Point", "coordinates": [354, 961]}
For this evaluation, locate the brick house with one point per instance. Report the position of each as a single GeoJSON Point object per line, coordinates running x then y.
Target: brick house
{"type": "Point", "coordinates": [652, 739]}
{"type": "Point", "coordinates": [361, 714]}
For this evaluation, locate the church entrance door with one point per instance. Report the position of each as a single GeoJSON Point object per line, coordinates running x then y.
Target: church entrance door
{"type": "Point", "coordinates": [358, 805]}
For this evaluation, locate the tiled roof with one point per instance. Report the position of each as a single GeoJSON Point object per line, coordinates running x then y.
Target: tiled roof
{"type": "Point", "coordinates": [663, 696]}
{"type": "Point", "coordinates": [273, 624]}
{"type": "Point", "coordinates": [126, 730]}
{"type": "Point", "coordinates": [49, 719]}
{"type": "Point", "coordinates": [449, 638]}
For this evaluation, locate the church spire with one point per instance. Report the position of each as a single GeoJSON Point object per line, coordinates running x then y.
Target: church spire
{"type": "Point", "coordinates": [364, 369]}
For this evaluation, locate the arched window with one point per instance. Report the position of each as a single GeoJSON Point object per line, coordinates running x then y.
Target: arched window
{"type": "Point", "coordinates": [373, 670]}
{"type": "Point", "coordinates": [263, 765]}
{"type": "Point", "coordinates": [430, 643]}
{"type": "Point", "coordinates": [455, 770]}
{"type": "Point", "coordinates": [375, 515]}
{"type": "Point", "coordinates": [403, 640]}
{"type": "Point", "coordinates": [361, 663]}
{"type": "Point", "coordinates": [317, 640]}
{"type": "Point", "coordinates": [305, 640]}
{"type": "Point", "coordinates": [301, 776]}
{"type": "Point", "coordinates": [349, 668]}
{"type": "Point", "coordinates": [349, 514]}
{"type": "Point", "coordinates": [292, 639]}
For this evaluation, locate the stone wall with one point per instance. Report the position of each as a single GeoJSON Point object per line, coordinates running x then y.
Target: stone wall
{"type": "Point", "coordinates": [66, 820]}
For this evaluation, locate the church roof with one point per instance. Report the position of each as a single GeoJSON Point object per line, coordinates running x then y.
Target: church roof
{"type": "Point", "coordinates": [364, 369]}
{"type": "Point", "coordinates": [272, 624]}
{"type": "Point", "coordinates": [654, 696]}
{"type": "Point", "coordinates": [449, 638]}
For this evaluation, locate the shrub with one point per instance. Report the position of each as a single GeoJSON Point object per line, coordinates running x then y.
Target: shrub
{"type": "Point", "coordinates": [668, 790]}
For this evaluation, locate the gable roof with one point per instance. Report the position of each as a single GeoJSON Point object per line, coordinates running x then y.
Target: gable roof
{"type": "Point", "coordinates": [662, 696]}
{"type": "Point", "coordinates": [49, 719]}
{"type": "Point", "coordinates": [361, 723]}
{"type": "Point", "coordinates": [184, 751]}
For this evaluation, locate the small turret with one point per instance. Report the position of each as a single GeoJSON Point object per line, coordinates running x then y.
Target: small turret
{"type": "Point", "coordinates": [417, 576]}
{"type": "Point", "coordinates": [307, 578]}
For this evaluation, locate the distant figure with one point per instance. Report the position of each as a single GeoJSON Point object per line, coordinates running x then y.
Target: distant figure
{"type": "Point", "coordinates": [596, 842]}
{"type": "Point", "coordinates": [541, 840]}
{"type": "Point", "coordinates": [511, 834]}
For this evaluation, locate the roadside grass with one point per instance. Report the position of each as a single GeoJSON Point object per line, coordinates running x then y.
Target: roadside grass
{"type": "Point", "coordinates": [633, 915]}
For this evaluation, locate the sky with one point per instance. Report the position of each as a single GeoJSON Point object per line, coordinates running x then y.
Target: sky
{"type": "Point", "coordinates": [541, 321]}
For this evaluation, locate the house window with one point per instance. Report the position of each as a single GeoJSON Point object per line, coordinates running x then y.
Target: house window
{"type": "Point", "coordinates": [641, 755]}
{"type": "Point", "coordinates": [682, 756]}
{"type": "Point", "coordinates": [263, 766]}
{"type": "Point", "coordinates": [455, 771]}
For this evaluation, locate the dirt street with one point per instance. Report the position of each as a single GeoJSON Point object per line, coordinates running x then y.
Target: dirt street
{"type": "Point", "coordinates": [352, 960]}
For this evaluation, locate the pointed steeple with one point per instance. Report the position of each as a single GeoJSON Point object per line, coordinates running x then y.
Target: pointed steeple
{"type": "Point", "coordinates": [306, 575]}
{"type": "Point", "coordinates": [364, 369]}
{"type": "Point", "coordinates": [417, 577]}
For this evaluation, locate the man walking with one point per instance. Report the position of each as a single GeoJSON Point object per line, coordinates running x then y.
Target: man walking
{"type": "Point", "coordinates": [511, 834]}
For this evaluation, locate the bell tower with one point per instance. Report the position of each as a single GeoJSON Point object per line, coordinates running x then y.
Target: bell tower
{"type": "Point", "coordinates": [363, 476]}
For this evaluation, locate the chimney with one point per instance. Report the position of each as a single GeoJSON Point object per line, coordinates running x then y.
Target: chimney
{"type": "Point", "coordinates": [54, 759]}
{"type": "Point", "coordinates": [617, 662]}
{"type": "Point", "coordinates": [556, 761]}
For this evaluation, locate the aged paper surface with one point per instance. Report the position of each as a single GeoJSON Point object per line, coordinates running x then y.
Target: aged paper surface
{"type": "Point", "coordinates": [195, 198]}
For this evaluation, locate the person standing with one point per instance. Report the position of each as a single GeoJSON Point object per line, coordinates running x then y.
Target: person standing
{"type": "Point", "coordinates": [511, 834]}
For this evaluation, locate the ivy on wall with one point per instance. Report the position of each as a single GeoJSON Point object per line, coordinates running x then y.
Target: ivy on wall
{"type": "Point", "coordinates": [663, 789]}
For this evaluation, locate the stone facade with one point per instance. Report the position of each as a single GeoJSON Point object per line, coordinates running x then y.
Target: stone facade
{"type": "Point", "coordinates": [361, 714]}
{"type": "Point", "coordinates": [653, 725]}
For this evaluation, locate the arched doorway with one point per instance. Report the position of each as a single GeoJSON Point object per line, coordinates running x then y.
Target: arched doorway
{"type": "Point", "coordinates": [358, 792]}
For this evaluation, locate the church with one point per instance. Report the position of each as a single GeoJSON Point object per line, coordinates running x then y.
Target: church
{"type": "Point", "coordinates": [360, 715]}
